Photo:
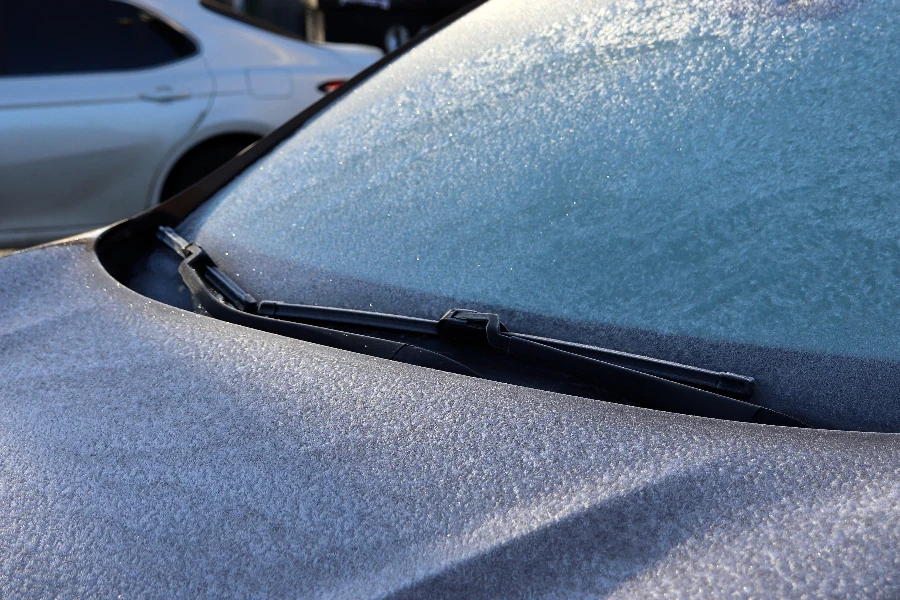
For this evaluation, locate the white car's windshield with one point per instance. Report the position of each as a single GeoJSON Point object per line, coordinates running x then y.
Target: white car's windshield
{"type": "Point", "coordinates": [724, 171]}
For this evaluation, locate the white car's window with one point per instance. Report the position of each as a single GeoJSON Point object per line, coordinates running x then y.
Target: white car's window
{"type": "Point", "coordinates": [85, 36]}
{"type": "Point", "coordinates": [719, 170]}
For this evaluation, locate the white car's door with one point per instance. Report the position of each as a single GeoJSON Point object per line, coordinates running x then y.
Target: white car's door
{"type": "Point", "coordinates": [94, 94]}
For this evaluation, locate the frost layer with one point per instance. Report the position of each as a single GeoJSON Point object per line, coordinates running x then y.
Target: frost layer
{"type": "Point", "coordinates": [720, 170]}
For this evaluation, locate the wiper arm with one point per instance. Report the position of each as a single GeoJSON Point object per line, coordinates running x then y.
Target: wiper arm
{"type": "Point", "coordinates": [649, 382]}
{"type": "Point", "coordinates": [224, 299]}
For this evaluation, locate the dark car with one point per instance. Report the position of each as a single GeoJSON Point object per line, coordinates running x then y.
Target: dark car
{"type": "Point", "coordinates": [567, 299]}
{"type": "Point", "coordinates": [385, 23]}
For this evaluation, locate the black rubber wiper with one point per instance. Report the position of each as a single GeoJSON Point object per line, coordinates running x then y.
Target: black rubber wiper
{"type": "Point", "coordinates": [645, 381]}
{"type": "Point", "coordinates": [222, 298]}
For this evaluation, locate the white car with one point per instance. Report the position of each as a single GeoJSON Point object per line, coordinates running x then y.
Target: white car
{"type": "Point", "coordinates": [108, 107]}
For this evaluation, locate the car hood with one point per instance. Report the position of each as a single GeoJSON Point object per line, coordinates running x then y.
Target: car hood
{"type": "Point", "coordinates": [151, 451]}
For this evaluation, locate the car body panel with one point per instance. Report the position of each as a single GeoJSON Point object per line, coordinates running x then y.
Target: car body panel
{"type": "Point", "coordinates": [152, 451]}
{"type": "Point", "coordinates": [101, 136]}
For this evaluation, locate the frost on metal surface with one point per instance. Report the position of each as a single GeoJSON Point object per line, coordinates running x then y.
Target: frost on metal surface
{"type": "Point", "coordinates": [724, 170]}
{"type": "Point", "coordinates": [154, 453]}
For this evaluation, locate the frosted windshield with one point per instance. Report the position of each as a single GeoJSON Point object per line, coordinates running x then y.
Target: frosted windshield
{"type": "Point", "coordinates": [723, 170]}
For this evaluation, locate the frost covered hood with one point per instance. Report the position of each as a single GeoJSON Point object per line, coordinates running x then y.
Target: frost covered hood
{"type": "Point", "coordinates": [149, 451]}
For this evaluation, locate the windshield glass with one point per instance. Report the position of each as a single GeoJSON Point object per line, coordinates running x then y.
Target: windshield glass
{"type": "Point", "coordinates": [720, 170]}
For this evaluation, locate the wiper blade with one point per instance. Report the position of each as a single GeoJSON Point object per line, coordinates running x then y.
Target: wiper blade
{"type": "Point", "coordinates": [729, 384]}
{"type": "Point", "coordinates": [362, 318]}
{"type": "Point", "coordinates": [646, 389]}
{"type": "Point", "coordinates": [646, 381]}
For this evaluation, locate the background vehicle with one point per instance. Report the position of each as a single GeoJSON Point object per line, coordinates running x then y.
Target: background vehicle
{"type": "Point", "coordinates": [664, 178]}
{"type": "Point", "coordinates": [107, 107]}
{"type": "Point", "coordinates": [384, 23]}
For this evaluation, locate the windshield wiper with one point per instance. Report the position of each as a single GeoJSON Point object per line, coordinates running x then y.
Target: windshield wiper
{"type": "Point", "coordinates": [209, 286]}
{"type": "Point", "coordinates": [648, 382]}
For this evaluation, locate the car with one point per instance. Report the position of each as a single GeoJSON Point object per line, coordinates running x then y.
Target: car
{"type": "Point", "coordinates": [380, 23]}
{"type": "Point", "coordinates": [596, 301]}
{"type": "Point", "coordinates": [108, 107]}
